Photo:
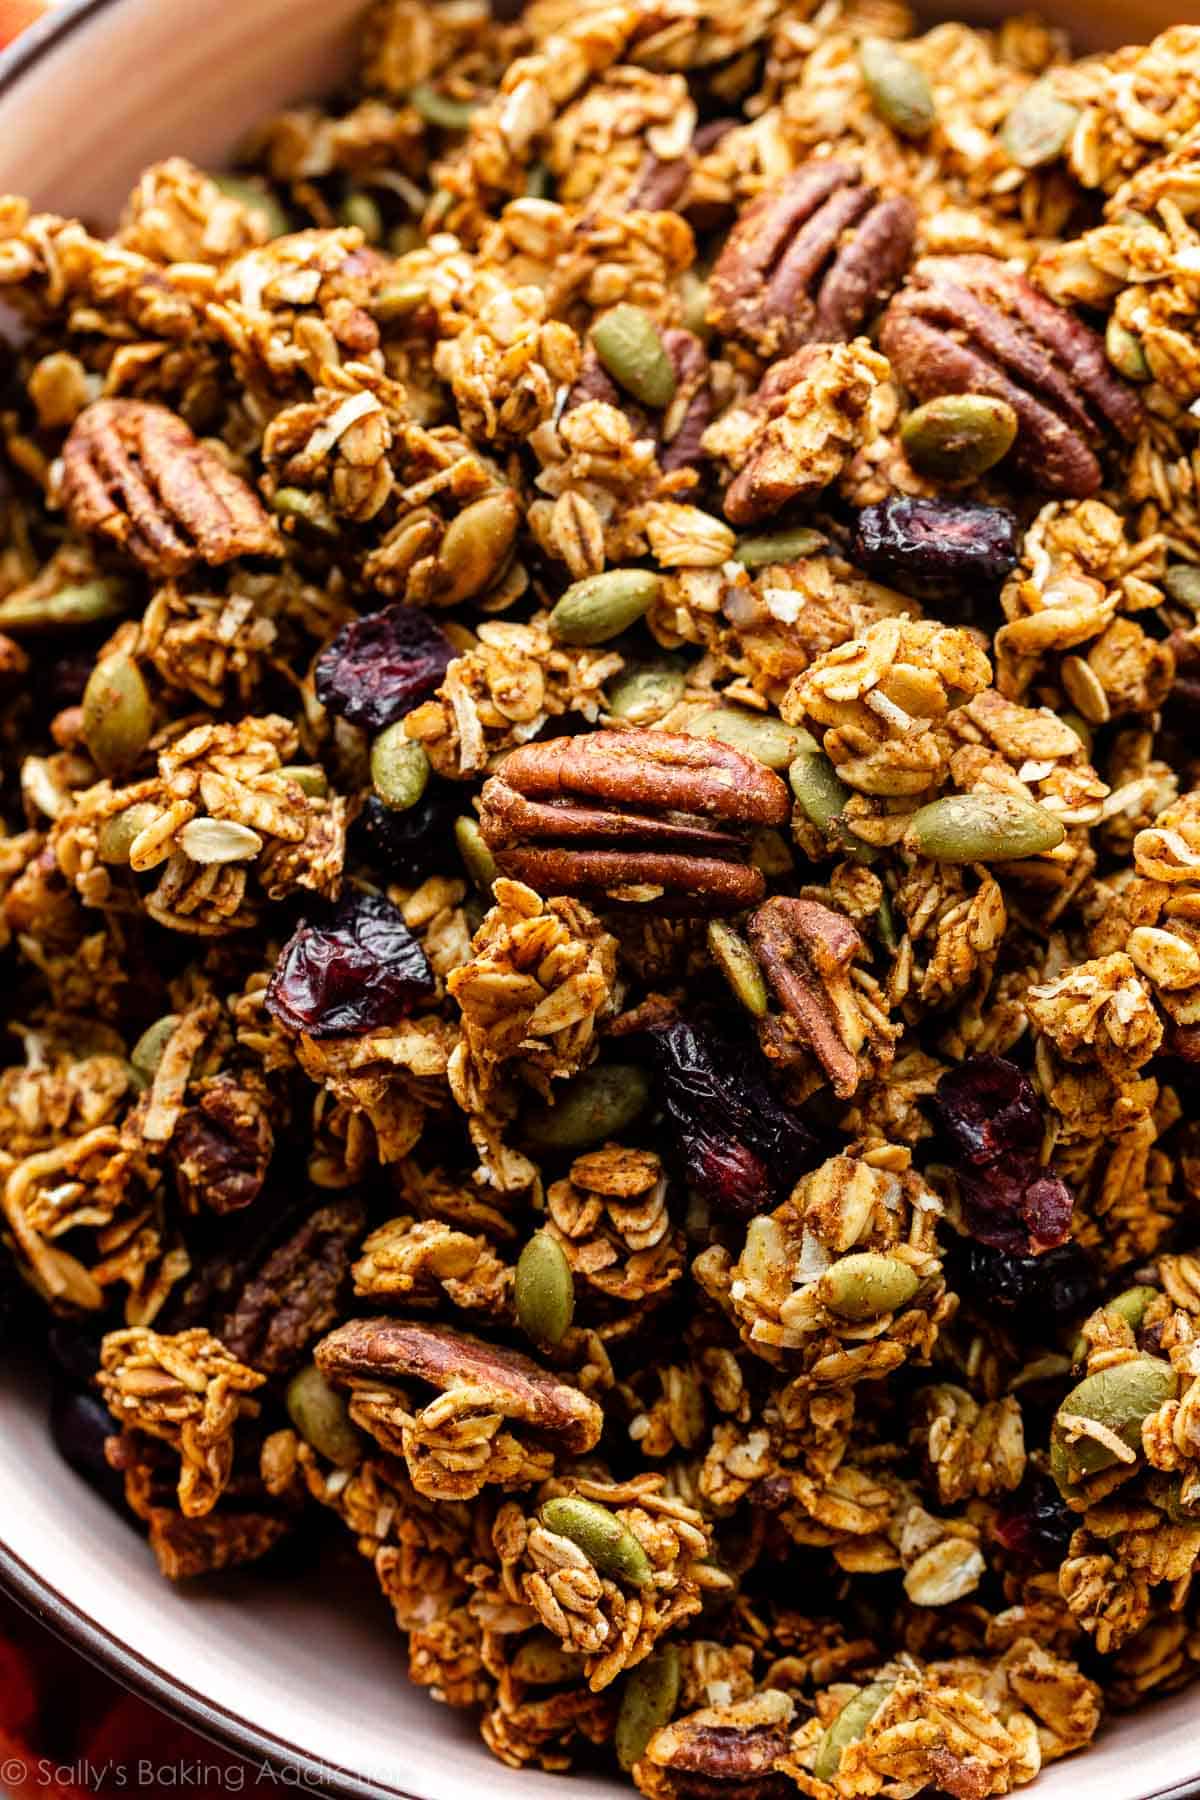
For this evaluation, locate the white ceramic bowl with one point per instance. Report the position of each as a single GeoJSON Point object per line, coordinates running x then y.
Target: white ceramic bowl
{"type": "Point", "coordinates": [311, 1677]}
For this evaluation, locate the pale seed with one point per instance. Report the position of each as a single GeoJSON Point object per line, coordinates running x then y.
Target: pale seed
{"type": "Point", "coordinates": [1182, 582]}
{"type": "Point", "coordinates": [440, 109]}
{"type": "Point", "coordinates": [823, 797]}
{"type": "Point", "coordinates": [693, 299]}
{"type": "Point", "coordinates": [644, 694]}
{"type": "Point", "coordinates": [218, 841]}
{"type": "Point", "coordinates": [1125, 353]}
{"type": "Point", "coordinates": [648, 1701]}
{"type": "Point", "coordinates": [118, 716]}
{"type": "Point", "coordinates": [310, 778]}
{"type": "Point", "coordinates": [115, 838]}
{"type": "Point", "coordinates": [885, 919]}
{"type": "Point", "coordinates": [628, 343]}
{"type": "Point", "coordinates": [477, 546]}
{"type": "Point", "coordinates": [602, 606]}
{"type": "Point", "coordinates": [769, 852]}
{"type": "Point", "coordinates": [87, 603]}
{"type": "Point", "coordinates": [542, 1660]}
{"type": "Point", "coordinates": [400, 299]}
{"type": "Point", "coordinates": [1119, 1398]}
{"type": "Point", "coordinates": [320, 1415]}
{"type": "Point", "coordinates": [539, 182]}
{"type": "Point", "coordinates": [1131, 1304]}
{"type": "Point", "coordinates": [867, 1284]}
{"type": "Point", "coordinates": [848, 1727]}
{"type": "Point", "coordinates": [1079, 725]}
{"type": "Point", "coordinates": [987, 827]}
{"type": "Point", "coordinates": [399, 767]}
{"type": "Point", "coordinates": [361, 209]}
{"type": "Point", "coordinates": [255, 199]}
{"type": "Point", "coordinates": [307, 509]}
{"type": "Point", "coordinates": [544, 1290]}
{"type": "Point", "coordinates": [767, 740]}
{"type": "Point", "coordinates": [958, 437]}
{"type": "Point", "coordinates": [1039, 127]}
{"type": "Point", "coordinates": [600, 1103]}
{"type": "Point", "coordinates": [608, 1545]}
{"type": "Point", "coordinates": [899, 90]}
{"type": "Point", "coordinates": [147, 1052]}
{"type": "Point", "coordinates": [735, 959]}
{"type": "Point", "coordinates": [478, 860]}
{"type": "Point", "coordinates": [779, 546]}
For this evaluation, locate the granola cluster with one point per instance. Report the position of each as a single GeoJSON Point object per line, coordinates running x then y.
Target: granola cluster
{"type": "Point", "coordinates": [600, 876]}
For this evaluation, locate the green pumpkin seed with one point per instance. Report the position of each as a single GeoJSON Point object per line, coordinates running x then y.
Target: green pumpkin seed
{"type": "Point", "coordinates": [219, 841]}
{"type": "Point", "coordinates": [256, 199]}
{"type": "Point", "coordinates": [147, 1052]}
{"type": "Point", "coordinates": [736, 961]}
{"type": "Point", "coordinates": [899, 90]}
{"type": "Point", "coordinates": [399, 767]}
{"type": "Point", "coordinates": [539, 182]}
{"type": "Point", "coordinates": [115, 838]}
{"type": "Point", "coordinates": [400, 299]}
{"type": "Point", "coordinates": [644, 694]}
{"type": "Point", "coordinates": [598, 1104]}
{"type": "Point", "coordinates": [542, 1661]}
{"type": "Point", "coordinates": [823, 797]}
{"type": "Point", "coordinates": [779, 547]}
{"type": "Point", "coordinates": [308, 509]}
{"type": "Point", "coordinates": [1119, 1398]}
{"type": "Point", "coordinates": [693, 300]}
{"type": "Point", "coordinates": [1124, 352]}
{"type": "Point", "coordinates": [1131, 1305]}
{"type": "Point", "coordinates": [958, 437]}
{"type": "Point", "coordinates": [544, 1290]}
{"type": "Point", "coordinates": [118, 715]}
{"type": "Point", "coordinates": [1181, 581]}
{"type": "Point", "coordinates": [867, 1284]}
{"type": "Point", "coordinates": [608, 1545]}
{"type": "Point", "coordinates": [440, 109]}
{"type": "Point", "coordinates": [310, 778]}
{"type": "Point", "coordinates": [602, 606]}
{"type": "Point", "coordinates": [769, 852]}
{"type": "Point", "coordinates": [985, 827]}
{"type": "Point", "coordinates": [1083, 731]}
{"type": "Point", "coordinates": [885, 920]}
{"type": "Point", "coordinates": [648, 1701]}
{"type": "Point", "coordinates": [320, 1415]}
{"type": "Point", "coordinates": [362, 210]}
{"type": "Point", "coordinates": [848, 1727]}
{"type": "Point", "coordinates": [477, 546]}
{"type": "Point", "coordinates": [86, 603]}
{"type": "Point", "coordinates": [478, 860]}
{"type": "Point", "coordinates": [629, 344]}
{"type": "Point", "coordinates": [1039, 127]}
{"type": "Point", "coordinates": [769, 741]}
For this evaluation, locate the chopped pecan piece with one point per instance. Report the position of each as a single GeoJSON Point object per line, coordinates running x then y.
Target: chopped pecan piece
{"type": "Point", "coordinates": [136, 474]}
{"type": "Point", "coordinates": [970, 324]}
{"type": "Point", "coordinates": [641, 817]}
{"type": "Point", "coordinates": [805, 951]}
{"type": "Point", "coordinates": [222, 1148]}
{"type": "Point", "coordinates": [185, 1548]}
{"type": "Point", "coordinates": [810, 260]}
{"type": "Point", "coordinates": [723, 1753]}
{"type": "Point", "coordinates": [677, 430]}
{"type": "Point", "coordinates": [295, 1294]}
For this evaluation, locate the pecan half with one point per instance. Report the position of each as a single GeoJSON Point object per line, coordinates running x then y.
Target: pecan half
{"type": "Point", "coordinates": [810, 259]}
{"type": "Point", "coordinates": [296, 1293]}
{"type": "Point", "coordinates": [970, 324]}
{"type": "Point", "coordinates": [642, 817]}
{"type": "Point", "coordinates": [678, 429]}
{"type": "Point", "coordinates": [724, 1753]}
{"type": "Point", "coordinates": [805, 951]}
{"type": "Point", "coordinates": [383, 1351]}
{"type": "Point", "coordinates": [136, 474]}
{"type": "Point", "coordinates": [222, 1148]}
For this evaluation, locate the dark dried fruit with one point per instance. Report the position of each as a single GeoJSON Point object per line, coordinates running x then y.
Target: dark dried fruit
{"type": "Point", "coordinates": [296, 1293]}
{"type": "Point", "coordinates": [937, 549]}
{"type": "Point", "coordinates": [222, 1149]}
{"type": "Point", "coordinates": [742, 1149]}
{"type": "Point", "coordinates": [1035, 1523]}
{"type": "Point", "coordinates": [360, 971]}
{"type": "Point", "coordinates": [411, 845]}
{"type": "Point", "coordinates": [989, 1114]}
{"type": "Point", "coordinates": [378, 667]}
{"type": "Point", "coordinates": [1031, 1292]}
{"type": "Point", "coordinates": [80, 1425]}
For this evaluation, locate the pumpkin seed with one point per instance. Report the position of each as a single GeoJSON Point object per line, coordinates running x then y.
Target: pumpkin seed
{"type": "Point", "coordinates": [310, 778]}
{"type": "Point", "coordinates": [115, 838]}
{"type": "Point", "coordinates": [608, 1545]}
{"type": "Point", "coordinates": [1124, 351]}
{"type": "Point", "coordinates": [1182, 582]}
{"type": "Point", "coordinates": [1131, 1304]}
{"type": "Point", "coordinates": [322, 1418]}
{"type": "Point", "coordinates": [779, 546]}
{"type": "Point", "coordinates": [867, 1284]}
{"type": "Point", "coordinates": [401, 298]}
{"type": "Point", "coordinates": [848, 1727]}
{"type": "Point", "coordinates": [1079, 725]}
{"type": "Point", "coordinates": [219, 841]}
{"type": "Point", "coordinates": [256, 199]}
{"type": "Point", "coordinates": [986, 827]}
{"type": "Point", "coordinates": [440, 109]}
{"type": "Point", "coordinates": [885, 920]}
{"type": "Point", "coordinates": [1119, 1398]}
{"type": "Point", "coordinates": [399, 767]}
{"type": "Point", "coordinates": [1039, 127]}
{"type": "Point", "coordinates": [693, 300]}
{"type": "Point", "coordinates": [476, 547]}
{"type": "Point", "coordinates": [602, 606]}
{"type": "Point", "coordinates": [147, 1052]}
{"type": "Point", "coordinates": [539, 182]}
{"type": "Point", "coordinates": [544, 1290]}
{"type": "Point", "coordinates": [769, 851]}
{"type": "Point", "coordinates": [595, 1105]}
{"type": "Point", "coordinates": [644, 694]}
{"type": "Point", "coordinates": [118, 715]}
{"type": "Point", "coordinates": [86, 603]}
{"type": "Point", "coordinates": [957, 437]}
{"type": "Point", "coordinates": [629, 344]}
{"type": "Point", "coordinates": [769, 741]}
{"type": "Point", "coordinates": [359, 208]}
{"type": "Point", "coordinates": [899, 90]}
{"type": "Point", "coordinates": [542, 1660]}
{"type": "Point", "coordinates": [736, 961]}
{"type": "Point", "coordinates": [478, 860]}
{"type": "Point", "coordinates": [648, 1701]}
{"type": "Point", "coordinates": [308, 509]}
{"type": "Point", "coordinates": [823, 797]}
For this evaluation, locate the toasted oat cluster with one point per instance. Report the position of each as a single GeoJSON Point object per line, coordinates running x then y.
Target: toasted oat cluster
{"type": "Point", "coordinates": [601, 889]}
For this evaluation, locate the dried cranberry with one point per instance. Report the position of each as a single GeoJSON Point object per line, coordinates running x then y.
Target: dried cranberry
{"type": "Point", "coordinates": [379, 666]}
{"type": "Point", "coordinates": [742, 1150]}
{"type": "Point", "coordinates": [411, 845]}
{"type": "Point", "coordinates": [937, 549]}
{"type": "Point", "coordinates": [1035, 1292]}
{"type": "Point", "coordinates": [990, 1118]}
{"type": "Point", "coordinates": [360, 971]}
{"type": "Point", "coordinates": [1035, 1523]}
